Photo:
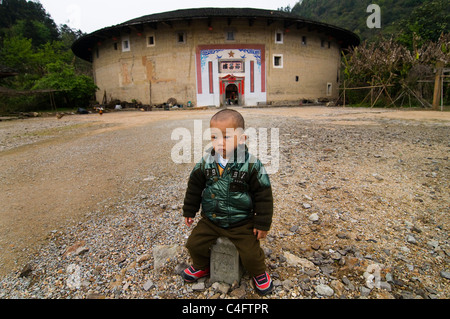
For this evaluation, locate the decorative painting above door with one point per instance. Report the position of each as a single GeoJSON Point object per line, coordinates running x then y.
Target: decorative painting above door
{"type": "Point", "coordinates": [227, 73]}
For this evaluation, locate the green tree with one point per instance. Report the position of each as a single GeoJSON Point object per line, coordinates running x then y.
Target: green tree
{"type": "Point", "coordinates": [75, 90]}
{"type": "Point", "coordinates": [426, 23]}
{"type": "Point", "coordinates": [32, 44]}
{"type": "Point", "coordinates": [18, 53]}
{"type": "Point", "coordinates": [32, 13]}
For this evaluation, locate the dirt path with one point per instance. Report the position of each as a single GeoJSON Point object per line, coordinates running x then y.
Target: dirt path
{"type": "Point", "coordinates": [54, 172]}
{"type": "Point", "coordinates": [71, 170]}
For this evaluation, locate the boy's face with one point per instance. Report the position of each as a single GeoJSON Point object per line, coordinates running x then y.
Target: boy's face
{"type": "Point", "coordinates": [225, 137]}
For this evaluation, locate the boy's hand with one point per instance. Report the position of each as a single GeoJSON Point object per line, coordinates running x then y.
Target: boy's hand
{"type": "Point", "coordinates": [188, 221]}
{"type": "Point", "coordinates": [260, 234]}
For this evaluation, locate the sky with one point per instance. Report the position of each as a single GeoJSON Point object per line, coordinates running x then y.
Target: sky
{"type": "Point", "coordinates": [91, 15]}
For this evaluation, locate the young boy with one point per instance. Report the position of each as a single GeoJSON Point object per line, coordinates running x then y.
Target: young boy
{"type": "Point", "coordinates": [235, 194]}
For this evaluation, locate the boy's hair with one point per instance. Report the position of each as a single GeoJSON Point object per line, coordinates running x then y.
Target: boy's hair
{"type": "Point", "coordinates": [227, 113]}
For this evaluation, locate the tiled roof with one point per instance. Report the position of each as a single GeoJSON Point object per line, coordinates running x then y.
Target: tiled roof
{"type": "Point", "coordinates": [83, 45]}
{"type": "Point", "coordinates": [212, 13]}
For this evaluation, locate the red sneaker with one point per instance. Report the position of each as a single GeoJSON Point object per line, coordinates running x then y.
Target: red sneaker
{"type": "Point", "coordinates": [190, 274]}
{"type": "Point", "coordinates": [263, 284]}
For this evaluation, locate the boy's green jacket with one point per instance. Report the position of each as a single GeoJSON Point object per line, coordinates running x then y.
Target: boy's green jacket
{"type": "Point", "coordinates": [242, 194]}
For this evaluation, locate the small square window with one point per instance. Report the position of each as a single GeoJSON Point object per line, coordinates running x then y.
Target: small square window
{"type": "Point", "coordinates": [181, 37]}
{"type": "Point", "coordinates": [278, 61]}
{"type": "Point", "coordinates": [278, 37]}
{"type": "Point", "coordinates": [230, 35]}
{"type": "Point", "coordinates": [329, 89]}
{"type": "Point", "coordinates": [126, 45]}
{"type": "Point", "coordinates": [150, 40]}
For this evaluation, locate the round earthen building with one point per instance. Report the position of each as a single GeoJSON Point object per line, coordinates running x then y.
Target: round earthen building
{"type": "Point", "coordinates": [217, 56]}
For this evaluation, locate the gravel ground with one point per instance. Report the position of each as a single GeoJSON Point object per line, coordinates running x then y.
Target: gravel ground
{"type": "Point", "coordinates": [361, 206]}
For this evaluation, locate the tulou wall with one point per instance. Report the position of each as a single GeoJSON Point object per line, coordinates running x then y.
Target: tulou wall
{"type": "Point", "coordinates": [205, 63]}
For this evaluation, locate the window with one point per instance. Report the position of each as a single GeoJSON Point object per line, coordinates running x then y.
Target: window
{"type": "Point", "coordinates": [181, 37]}
{"type": "Point", "coordinates": [115, 46]}
{"type": "Point", "coordinates": [150, 40]}
{"type": "Point", "coordinates": [304, 40]}
{"type": "Point", "coordinates": [325, 44]}
{"type": "Point", "coordinates": [278, 61]}
{"type": "Point", "coordinates": [126, 44]}
{"type": "Point", "coordinates": [230, 35]}
{"type": "Point", "coordinates": [329, 89]}
{"type": "Point", "coordinates": [279, 37]}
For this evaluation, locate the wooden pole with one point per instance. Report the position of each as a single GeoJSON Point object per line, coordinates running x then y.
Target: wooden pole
{"type": "Point", "coordinates": [371, 94]}
{"type": "Point", "coordinates": [344, 93]}
{"type": "Point", "coordinates": [437, 84]}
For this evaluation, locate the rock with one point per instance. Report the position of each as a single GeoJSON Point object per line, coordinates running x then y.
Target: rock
{"type": "Point", "coordinates": [338, 287]}
{"type": "Point", "coordinates": [143, 258]}
{"type": "Point", "coordinates": [372, 276]}
{"type": "Point", "coordinates": [225, 262]}
{"type": "Point", "coordinates": [306, 206]}
{"type": "Point", "coordinates": [342, 236]}
{"type": "Point", "coordinates": [295, 261]}
{"type": "Point", "coordinates": [221, 287]}
{"type": "Point", "coordinates": [277, 283]}
{"type": "Point", "coordinates": [288, 284]}
{"type": "Point", "coordinates": [74, 276]}
{"type": "Point", "coordinates": [433, 244]}
{"type": "Point", "coordinates": [180, 268]}
{"type": "Point", "coordinates": [314, 217]}
{"type": "Point", "coordinates": [239, 293]}
{"type": "Point", "coordinates": [199, 286]}
{"type": "Point", "coordinates": [335, 255]}
{"type": "Point", "coordinates": [76, 249]}
{"type": "Point", "coordinates": [148, 285]}
{"type": "Point", "coordinates": [163, 253]}
{"type": "Point", "coordinates": [385, 285]}
{"type": "Point", "coordinates": [411, 239]}
{"type": "Point", "coordinates": [364, 291]}
{"type": "Point", "coordinates": [324, 290]}
{"type": "Point", "coordinates": [26, 271]}
{"type": "Point", "coordinates": [389, 277]}
{"type": "Point", "coordinates": [445, 274]}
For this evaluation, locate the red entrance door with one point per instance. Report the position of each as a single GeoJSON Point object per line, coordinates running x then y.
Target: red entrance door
{"type": "Point", "coordinates": [232, 90]}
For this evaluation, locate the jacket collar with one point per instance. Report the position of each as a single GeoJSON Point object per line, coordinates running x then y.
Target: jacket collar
{"type": "Point", "coordinates": [240, 154]}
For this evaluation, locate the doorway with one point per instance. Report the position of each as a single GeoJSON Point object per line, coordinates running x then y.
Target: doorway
{"type": "Point", "coordinates": [232, 95]}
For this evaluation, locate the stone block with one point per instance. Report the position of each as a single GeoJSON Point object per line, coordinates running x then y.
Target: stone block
{"type": "Point", "coordinates": [225, 264]}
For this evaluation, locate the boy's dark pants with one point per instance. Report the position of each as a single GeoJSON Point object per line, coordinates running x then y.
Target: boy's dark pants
{"type": "Point", "coordinates": [205, 234]}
